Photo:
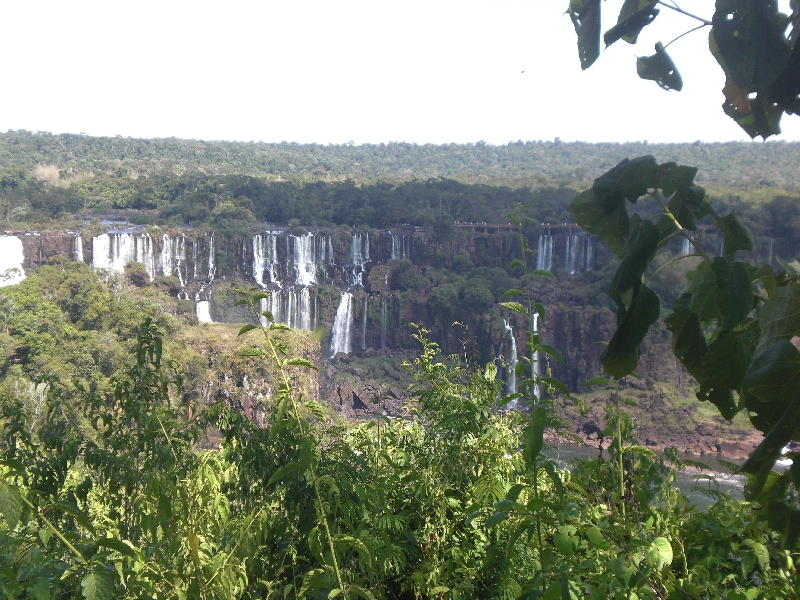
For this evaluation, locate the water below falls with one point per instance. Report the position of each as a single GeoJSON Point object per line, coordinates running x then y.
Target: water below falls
{"type": "Point", "coordinates": [204, 312]}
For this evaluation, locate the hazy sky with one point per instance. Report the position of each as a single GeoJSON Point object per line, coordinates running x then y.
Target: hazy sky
{"type": "Point", "coordinates": [331, 71]}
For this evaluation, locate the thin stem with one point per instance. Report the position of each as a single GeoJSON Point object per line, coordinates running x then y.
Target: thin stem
{"type": "Point", "coordinates": [619, 450]}
{"type": "Point", "coordinates": [668, 263]}
{"type": "Point", "coordinates": [52, 527]}
{"type": "Point", "coordinates": [683, 12]}
{"type": "Point", "coordinates": [687, 33]}
{"type": "Point", "coordinates": [681, 229]}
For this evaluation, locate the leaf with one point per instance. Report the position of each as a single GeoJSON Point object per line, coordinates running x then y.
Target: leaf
{"type": "Point", "coordinates": [495, 519]}
{"type": "Point", "coordinates": [97, 586]}
{"type": "Point", "coordinates": [301, 362]}
{"type": "Point", "coordinates": [688, 340]}
{"type": "Point", "coordinates": [255, 352]}
{"type": "Point", "coordinates": [639, 251]}
{"type": "Point", "coordinates": [515, 306]}
{"type": "Point", "coordinates": [316, 409]}
{"type": "Point", "coordinates": [533, 436]}
{"type": "Point", "coordinates": [736, 236]}
{"type": "Point", "coordinates": [542, 273]}
{"type": "Point", "coordinates": [629, 179]}
{"type": "Point", "coordinates": [704, 293]}
{"type": "Point", "coordinates": [73, 510]}
{"type": "Point", "coordinates": [622, 353]}
{"type": "Point", "coordinates": [360, 591]}
{"type": "Point", "coordinates": [660, 68]}
{"type": "Point", "coordinates": [512, 292]}
{"type": "Point", "coordinates": [724, 367]}
{"type": "Point", "coordinates": [258, 296]}
{"type": "Point", "coordinates": [282, 473]}
{"type": "Point", "coordinates": [659, 555]}
{"type": "Point", "coordinates": [550, 350]}
{"type": "Point", "coordinates": [632, 19]}
{"type": "Point", "coordinates": [585, 15]}
{"type": "Point", "coordinates": [609, 222]}
{"type": "Point", "coordinates": [10, 504]}
{"type": "Point", "coordinates": [734, 292]}
{"type": "Point", "coordinates": [246, 328]}
{"type": "Point", "coordinates": [748, 43]}
{"type": "Point", "coordinates": [565, 540]}
{"type": "Point", "coordinates": [597, 381]}
{"type": "Point", "coordinates": [124, 547]}
{"type": "Point", "coordinates": [279, 327]}
{"type": "Point", "coordinates": [779, 316]}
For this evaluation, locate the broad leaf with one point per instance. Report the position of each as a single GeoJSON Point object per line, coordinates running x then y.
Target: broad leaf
{"type": "Point", "coordinates": [515, 306]}
{"type": "Point", "coordinates": [779, 316]}
{"type": "Point", "coordinates": [622, 353]}
{"type": "Point", "coordinates": [634, 16]}
{"type": "Point", "coordinates": [10, 504]}
{"type": "Point", "coordinates": [747, 42]}
{"type": "Point", "coordinates": [629, 179]}
{"type": "Point", "coordinates": [246, 328]}
{"type": "Point", "coordinates": [97, 586]}
{"type": "Point", "coordinates": [585, 15]}
{"type": "Point", "coordinates": [495, 519]}
{"type": "Point", "coordinates": [609, 224]}
{"type": "Point", "coordinates": [704, 293]}
{"type": "Point", "coordinates": [282, 473]}
{"type": "Point", "coordinates": [640, 248]}
{"type": "Point", "coordinates": [565, 540]}
{"type": "Point", "coordinates": [660, 68]}
{"type": "Point", "coordinates": [659, 554]}
{"type": "Point", "coordinates": [688, 340]}
{"type": "Point", "coordinates": [736, 236]}
{"type": "Point", "coordinates": [723, 369]}
{"type": "Point", "coordinates": [734, 292]}
{"type": "Point", "coordinates": [301, 362]}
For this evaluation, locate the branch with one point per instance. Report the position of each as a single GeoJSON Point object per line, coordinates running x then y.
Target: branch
{"type": "Point", "coordinates": [683, 12]}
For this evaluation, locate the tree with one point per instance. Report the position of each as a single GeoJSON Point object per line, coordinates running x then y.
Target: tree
{"type": "Point", "coordinates": [754, 44]}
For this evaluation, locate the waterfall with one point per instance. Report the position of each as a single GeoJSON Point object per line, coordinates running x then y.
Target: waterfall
{"type": "Point", "coordinates": [258, 260]}
{"type": "Point", "coordinates": [400, 247]}
{"type": "Point", "coordinates": [143, 253]}
{"type": "Point", "coordinates": [77, 250]}
{"type": "Point", "coordinates": [366, 248]}
{"type": "Point", "coordinates": [364, 324]}
{"type": "Point", "coordinates": [291, 307]}
{"type": "Point", "coordinates": [113, 251]}
{"type": "Point", "coordinates": [212, 269]}
{"type": "Point", "coordinates": [511, 375]}
{"type": "Point", "coordinates": [544, 255]}
{"type": "Point", "coordinates": [340, 334]}
{"type": "Point", "coordinates": [383, 323]}
{"type": "Point", "coordinates": [357, 260]}
{"type": "Point", "coordinates": [204, 312]}
{"type": "Point", "coordinates": [304, 263]}
{"type": "Point", "coordinates": [11, 259]}
{"type": "Point", "coordinates": [194, 259]}
{"type": "Point", "coordinates": [589, 254]}
{"type": "Point", "coordinates": [173, 257]}
{"type": "Point", "coordinates": [686, 247]}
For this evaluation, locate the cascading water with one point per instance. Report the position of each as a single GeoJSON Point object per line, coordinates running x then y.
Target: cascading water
{"type": "Point", "coordinates": [342, 323]}
{"type": "Point", "coordinates": [212, 268]}
{"type": "Point", "coordinates": [291, 307]}
{"type": "Point", "coordinates": [535, 362]}
{"type": "Point", "coordinates": [399, 247]}
{"type": "Point", "coordinates": [143, 253]}
{"type": "Point", "coordinates": [589, 254]}
{"type": "Point", "coordinates": [686, 247]}
{"type": "Point", "coordinates": [304, 264]}
{"type": "Point", "coordinates": [544, 255]}
{"type": "Point", "coordinates": [769, 250]}
{"type": "Point", "coordinates": [358, 258]}
{"type": "Point", "coordinates": [173, 257]}
{"type": "Point", "coordinates": [511, 376]}
{"type": "Point", "coordinates": [11, 259]}
{"type": "Point", "coordinates": [203, 308]}
{"type": "Point", "coordinates": [77, 248]}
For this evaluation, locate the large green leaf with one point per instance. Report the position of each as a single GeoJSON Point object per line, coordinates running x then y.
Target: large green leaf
{"type": "Point", "coordinates": [704, 292]}
{"type": "Point", "coordinates": [734, 292]}
{"type": "Point", "coordinates": [736, 235]}
{"type": "Point", "coordinates": [748, 43]}
{"type": "Point", "coordinates": [763, 119]}
{"type": "Point", "coordinates": [609, 224]}
{"type": "Point", "coordinates": [639, 251]}
{"type": "Point", "coordinates": [97, 586]}
{"type": "Point", "coordinates": [660, 68]}
{"type": "Point", "coordinates": [634, 16]}
{"type": "Point", "coordinates": [688, 340]}
{"type": "Point", "coordinates": [723, 369]}
{"type": "Point", "coordinates": [585, 15]}
{"type": "Point", "coordinates": [779, 316]}
{"type": "Point", "coordinates": [629, 179]}
{"type": "Point", "coordinates": [10, 504]}
{"type": "Point", "coordinates": [622, 353]}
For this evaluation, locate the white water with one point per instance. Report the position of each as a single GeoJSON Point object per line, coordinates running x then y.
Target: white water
{"type": "Point", "coordinates": [77, 248]}
{"type": "Point", "coordinates": [544, 255]}
{"type": "Point", "coordinates": [399, 247]}
{"type": "Point", "coordinates": [113, 251]}
{"type": "Point", "coordinates": [535, 367]}
{"type": "Point", "coordinates": [144, 253]}
{"type": "Point", "coordinates": [291, 307]}
{"type": "Point", "coordinates": [364, 324]}
{"type": "Point", "coordinates": [511, 376]}
{"type": "Point", "coordinates": [204, 311]}
{"type": "Point", "coordinates": [173, 257]}
{"type": "Point", "coordinates": [359, 256]}
{"type": "Point", "coordinates": [11, 258]}
{"type": "Point", "coordinates": [342, 323]}
{"type": "Point", "coordinates": [305, 267]}
{"type": "Point", "coordinates": [686, 247]}
{"type": "Point", "coordinates": [212, 268]}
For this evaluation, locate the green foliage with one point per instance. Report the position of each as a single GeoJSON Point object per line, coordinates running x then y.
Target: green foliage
{"type": "Point", "coordinates": [730, 328]}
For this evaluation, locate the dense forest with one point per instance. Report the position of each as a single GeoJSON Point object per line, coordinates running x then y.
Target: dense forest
{"type": "Point", "coordinates": [146, 455]}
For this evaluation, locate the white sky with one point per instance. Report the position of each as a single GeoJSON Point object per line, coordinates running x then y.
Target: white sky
{"type": "Point", "coordinates": [331, 71]}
